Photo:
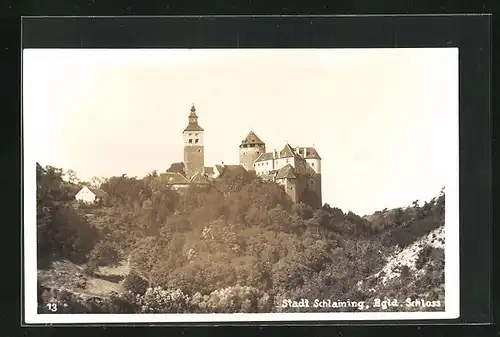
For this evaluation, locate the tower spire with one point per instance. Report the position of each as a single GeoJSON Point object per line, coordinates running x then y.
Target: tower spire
{"type": "Point", "coordinates": [193, 121]}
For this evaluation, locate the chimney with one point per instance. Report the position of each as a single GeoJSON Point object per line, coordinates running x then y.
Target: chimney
{"type": "Point", "coordinates": [275, 156]}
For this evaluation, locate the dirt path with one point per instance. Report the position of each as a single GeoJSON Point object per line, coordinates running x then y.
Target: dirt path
{"type": "Point", "coordinates": [67, 275]}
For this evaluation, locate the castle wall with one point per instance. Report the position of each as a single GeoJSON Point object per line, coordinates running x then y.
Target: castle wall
{"type": "Point", "coordinates": [193, 138]}
{"type": "Point", "coordinates": [264, 167]}
{"type": "Point", "coordinates": [291, 188]}
{"type": "Point", "coordinates": [194, 160]}
{"type": "Point", "coordinates": [317, 188]}
{"type": "Point", "coordinates": [248, 155]}
{"type": "Point", "coordinates": [300, 166]}
{"type": "Point", "coordinates": [315, 164]}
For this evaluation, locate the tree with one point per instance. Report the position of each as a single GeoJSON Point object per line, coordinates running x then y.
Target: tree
{"type": "Point", "coordinates": [177, 168]}
{"type": "Point", "coordinates": [72, 177]}
{"type": "Point", "coordinates": [61, 232]}
{"type": "Point", "coordinates": [96, 182]}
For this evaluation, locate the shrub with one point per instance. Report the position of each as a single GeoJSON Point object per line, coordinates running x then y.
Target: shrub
{"type": "Point", "coordinates": [104, 253]}
{"type": "Point", "coordinates": [158, 300]}
{"type": "Point", "coordinates": [135, 283]}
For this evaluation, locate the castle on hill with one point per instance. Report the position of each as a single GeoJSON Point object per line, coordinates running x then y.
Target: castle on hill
{"type": "Point", "coordinates": [297, 169]}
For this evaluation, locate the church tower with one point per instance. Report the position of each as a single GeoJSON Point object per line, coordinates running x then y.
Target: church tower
{"type": "Point", "coordinates": [250, 149]}
{"type": "Point", "coordinates": [194, 151]}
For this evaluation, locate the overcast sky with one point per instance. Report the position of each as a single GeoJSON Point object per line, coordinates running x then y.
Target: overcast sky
{"type": "Point", "coordinates": [383, 120]}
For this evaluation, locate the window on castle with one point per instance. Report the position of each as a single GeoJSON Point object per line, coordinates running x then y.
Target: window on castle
{"type": "Point", "coordinates": [258, 152]}
{"type": "Point", "coordinates": [252, 145]}
{"type": "Point", "coordinates": [190, 134]}
{"type": "Point", "coordinates": [190, 141]}
{"type": "Point", "coordinates": [196, 140]}
{"type": "Point", "coordinates": [312, 164]}
{"type": "Point", "coordinates": [196, 134]}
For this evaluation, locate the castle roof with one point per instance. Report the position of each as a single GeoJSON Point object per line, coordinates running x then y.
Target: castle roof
{"type": "Point", "coordinates": [252, 138]}
{"type": "Point", "coordinates": [310, 153]}
{"type": "Point", "coordinates": [288, 152]}
{"type": "Point", "coordinates": [193, 127]}
{"type": "Point", "coordinates": [219, 168]}
{"type": "Point", "coordinates": [173, 178]}
{"type": "Point", "coordinates": [199, 178]}
{"type": "Point", "coordinates": [286, 172]}
{"type": "Point", "coordinates": [209, 170]}
{"type": "Point", "coordinates": [193, 121]}
{"type": "Point", "coordinates": [264, 157]}
{"type": "Point", "coordinates": [229, 168]}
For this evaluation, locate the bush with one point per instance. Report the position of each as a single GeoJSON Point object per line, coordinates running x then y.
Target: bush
{"type": "Point", "coordinates": [158, 300]}
{"type": "Point", "coordinates": [135, 283]}
{"type": "Point", "coordinates": [104, 253]}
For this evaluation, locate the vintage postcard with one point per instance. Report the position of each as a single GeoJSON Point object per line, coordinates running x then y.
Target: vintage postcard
{"type": "Point", "coordinates": [230, 185]}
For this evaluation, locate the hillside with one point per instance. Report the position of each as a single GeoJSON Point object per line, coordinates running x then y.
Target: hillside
{"type": "Point", "coordinates": [238, 245]}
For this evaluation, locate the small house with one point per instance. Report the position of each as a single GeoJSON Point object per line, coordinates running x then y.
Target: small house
{"type": "Point", "coordinates": [92, 195]}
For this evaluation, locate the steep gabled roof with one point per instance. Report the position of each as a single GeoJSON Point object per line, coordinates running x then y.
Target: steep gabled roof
{"type": "Point", "coordinates": [209, 170]}
{"type": "Point", "coordinates": [98, 192]}
{"type": "Point", "coordinates": [219, 168]}
{"type": "Point", "coordinates": [264, 157]}
{"type": "Point", "coordinates": [288, 152]}
{"type": "Point", "coordinates": [199, 178]}
{"type": "Point", "coordinates": [310, 153]}
{"type": "Point", "coordinates": [252, 138]}
{"type": "Point", "coordinates": [286, 172]}
{"type": "Point", "coordinates": [223, 169]}
{"type": "Point", "coordinates": [173, 178]}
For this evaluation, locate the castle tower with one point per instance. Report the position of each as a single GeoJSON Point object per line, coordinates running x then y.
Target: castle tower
{"type": "Point", "coordinates": [310, 154]}
{"type": "Point", "coordinates": [250, 149]}
{"type": "Point", "coordinates": [194, 151]}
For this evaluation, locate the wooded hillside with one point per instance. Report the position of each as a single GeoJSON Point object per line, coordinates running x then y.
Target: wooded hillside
{"type": "Point", "coordinates": [238, 245]}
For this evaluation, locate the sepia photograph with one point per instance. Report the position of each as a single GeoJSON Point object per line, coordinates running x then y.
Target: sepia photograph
{"type": "Point", "coordinates": [201, 185]}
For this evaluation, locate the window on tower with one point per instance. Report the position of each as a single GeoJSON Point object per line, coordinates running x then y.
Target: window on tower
{"type": "Point", "coordinates": [190, 141]}
{"type": "Point", "coordinates": [196, 140]}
